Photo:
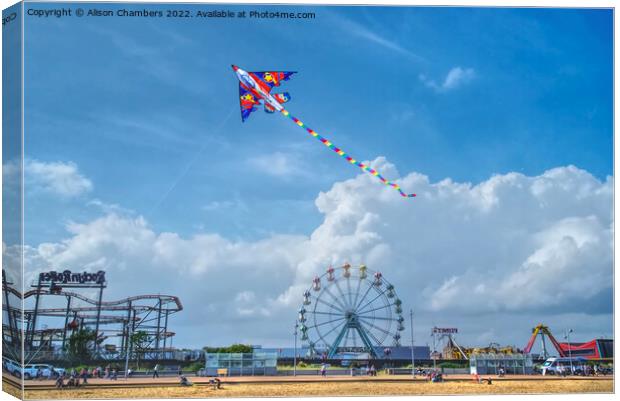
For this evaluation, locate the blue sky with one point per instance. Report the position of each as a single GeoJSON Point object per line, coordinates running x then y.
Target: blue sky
{"type": "Point", "coordinates": [147, 109]}
{"type": "Point", "coordinates": [11, 120]}
{"type": "Point", "coordinates": [155, 102]}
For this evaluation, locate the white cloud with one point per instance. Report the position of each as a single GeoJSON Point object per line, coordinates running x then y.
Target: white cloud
{"type": "Point", "coordinates": [513, 244]}
{"type": "Point", "coordinates": [456, 77]}
{"type": "Point", "coordinates": [247, 305]}
{"type": "Point", "coordinates": [109, 208]}
{"type": "Point", "coordinates": [277, 164]}
{"type": "Point", "coordinates": [62, 179]}
{"type": "Point", "coordinates": [218, 206]}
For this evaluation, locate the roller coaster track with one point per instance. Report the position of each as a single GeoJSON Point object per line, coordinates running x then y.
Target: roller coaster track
{"type": "Point", "coordinates": [105, 305]}
{"type": "Point", "coordinates": [147, 312]}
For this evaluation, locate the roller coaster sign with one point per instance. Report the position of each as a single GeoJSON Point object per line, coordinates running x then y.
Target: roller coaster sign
{"type": "Point", "coordinates": [445, 330]}
{"type": "Point", "coordinates": [68, 277]}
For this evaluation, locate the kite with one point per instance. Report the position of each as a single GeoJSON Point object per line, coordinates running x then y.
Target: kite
{"type": "Point", "coordinates": [257, 86]}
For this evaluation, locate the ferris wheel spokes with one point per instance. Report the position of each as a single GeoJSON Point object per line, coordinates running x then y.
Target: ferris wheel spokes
{"type": "Point", "coordinates": [395, 337]}
{"type": "Point", "coordinates": [357, 291]}
{"type": "Point", "coordinates": [364, 321]}
{"type": "Point", "coordinates": [348, 305]}
{"type": "Point", "coordinates": [379, 308]}
{"type": "Point", "coordinates": [350, 317]}
{"type": "Point", "coordinates": [361, 315]}
{"type": "Point", "coordinates": [324, 323]}
{"type": "Point", "coordinates": [328, 305]}
{"type": "Point", "coordinates": [323, 336]}
{"type": "Point", "coordinates": [326, 313]}
{"type": "Point", "coordinates": [349, 292]}
{"type": "Point", "coordinates": [344, 306]}
{"type": "Point", "coordinates": [373, 336]}
{"type": "Point", "coordinates": [373, 300]}
{"type": "Point", "coordinates": [370, 286]}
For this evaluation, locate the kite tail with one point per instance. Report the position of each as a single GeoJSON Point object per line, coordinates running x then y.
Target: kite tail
{"type": "Point", "coordinates": [347, 157]}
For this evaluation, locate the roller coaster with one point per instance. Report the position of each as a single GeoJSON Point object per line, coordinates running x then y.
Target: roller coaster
{"type": "Point", "coordinates": [61, 304]}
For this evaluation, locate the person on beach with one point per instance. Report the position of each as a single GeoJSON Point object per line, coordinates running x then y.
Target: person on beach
{"type": "Point", "coordinates": [60, 382]}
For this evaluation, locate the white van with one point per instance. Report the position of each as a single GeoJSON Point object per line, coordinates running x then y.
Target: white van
{"type": "Point", "coordinates": [554, 366]}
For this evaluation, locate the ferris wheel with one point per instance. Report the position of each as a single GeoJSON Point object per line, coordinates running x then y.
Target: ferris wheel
{"type": "Point", "coordinates": [350, 309]}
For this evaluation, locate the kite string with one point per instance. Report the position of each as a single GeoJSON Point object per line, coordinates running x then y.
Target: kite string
{"type": "Point", "coordinates": [340, 152]}
{"type": "Point", "coordinates": [190, 164]}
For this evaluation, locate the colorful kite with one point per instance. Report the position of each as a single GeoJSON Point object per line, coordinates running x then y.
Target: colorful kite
{"type": "Point", "coordinates": [256, 86]}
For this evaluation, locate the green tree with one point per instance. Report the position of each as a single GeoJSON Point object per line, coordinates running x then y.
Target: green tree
{"type": "Point", "coordinates": [140, 341]}
{"type": "Point", "coordinates": [239, 349]}
{"type": "Point", "coordinates": [80, 344]}
{"type": "Point", "coordinates": [232, 349]}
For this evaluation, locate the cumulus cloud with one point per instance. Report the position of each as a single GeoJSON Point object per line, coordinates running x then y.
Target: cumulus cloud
{"type": "Point", "coordinates": [513, 244]}
{"type": "Point", "coordinates": [61, 179]}
{"type": "Point", "coordinates": [455, 78]}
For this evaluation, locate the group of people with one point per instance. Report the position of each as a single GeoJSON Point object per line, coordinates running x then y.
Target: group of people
{"type": "Point", "coordinates": [586, 370]}
{"type": "Point", "coordinates": [434, 376]}
{"type": "Point", "coordinates": [73, 379]}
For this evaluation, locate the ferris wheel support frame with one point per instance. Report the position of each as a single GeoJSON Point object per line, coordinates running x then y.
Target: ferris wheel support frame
{"type": "Point", "coordinates": [352, 323]}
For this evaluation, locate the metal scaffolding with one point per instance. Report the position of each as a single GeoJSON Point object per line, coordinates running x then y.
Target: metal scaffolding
{"type": "Point", "coordinates": [61, 304]}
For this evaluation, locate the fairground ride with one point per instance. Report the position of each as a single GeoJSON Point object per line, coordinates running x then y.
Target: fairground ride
{"type": "Point", "coordinates": [61, 304]}
{"type": "Point", "coordinates": [594, 349]}
{"type": "Point", "coordinates": [350, 310]}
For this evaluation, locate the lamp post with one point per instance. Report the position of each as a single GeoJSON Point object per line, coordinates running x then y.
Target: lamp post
{"type": "Point", "coordinates": [295, 351]}
{"type": "Point", "coordinates": [434, 351]}
{"type": "Point", "coordinates": [129, 342]}
{"type": "Point", "coordinates": [412, 351]}
{"type": "Point", "coordinates": [570, 356]}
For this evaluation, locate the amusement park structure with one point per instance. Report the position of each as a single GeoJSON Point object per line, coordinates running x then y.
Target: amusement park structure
{"type": "Point", "coordinates": [452, 350]}
{"type": "Point", "coordinates": [542, 331]}
{"type": "Point", "coordinates": [594, 349]}
{"type": "Point", "coordinates": [60, 305]}
{"type": "Point", "coordinates": [350, 310]}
